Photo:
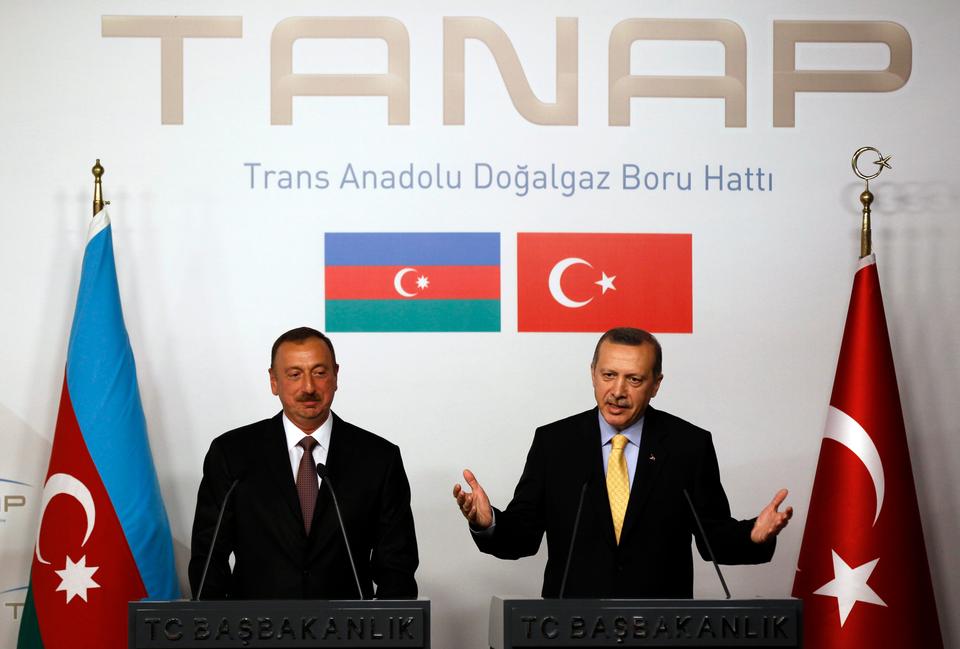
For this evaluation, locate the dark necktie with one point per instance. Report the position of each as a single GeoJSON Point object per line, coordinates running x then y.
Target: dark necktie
{"type": "Point", "coordinates": [308, 486]}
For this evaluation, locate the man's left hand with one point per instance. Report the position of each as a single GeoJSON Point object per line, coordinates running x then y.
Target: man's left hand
{"type": "Point", "coordinates": [771, 520]}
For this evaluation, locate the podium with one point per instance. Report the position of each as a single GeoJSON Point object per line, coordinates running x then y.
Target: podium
{"type": "Point", "coordinates": [359, 624]}
{"type": "Point", "coordinates": [536, 623]}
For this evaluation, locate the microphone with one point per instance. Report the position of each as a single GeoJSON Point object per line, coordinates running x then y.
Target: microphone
{"type": "Point", "coordinates": [213, 543]}
{"type": "Point", "coordinates": [706, 542]}
{"type": "Point", "coordinates": [573, 540]}
{"type": "Point", "coordinates": [324, 477]}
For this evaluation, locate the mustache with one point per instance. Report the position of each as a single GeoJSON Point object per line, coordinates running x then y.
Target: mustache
{"type": "Point", "coordinates": [312, 396]}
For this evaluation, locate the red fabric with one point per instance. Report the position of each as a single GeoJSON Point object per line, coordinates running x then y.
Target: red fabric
{"type": "Point", "coordinates": [444, 282]}
{"type": "Point", "coordinates": [844, 503]}
{"type": "Point", "coordinates": [93, 623]}
{"type": "Point", "coordinates": [653, 285]}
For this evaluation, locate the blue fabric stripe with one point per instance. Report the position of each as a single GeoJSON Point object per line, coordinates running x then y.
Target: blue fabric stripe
{"type": "Point", "coordinates": [102, 381]}
{"type": "Point", "coordinates": [412, 248]}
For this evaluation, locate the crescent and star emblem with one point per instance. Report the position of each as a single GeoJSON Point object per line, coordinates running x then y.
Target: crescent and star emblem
{"type": "Point", "coordinates": [849, 584]}
{"type": "Point", "coordinates": [422, 282]}
{"type": "Point", "coordinates": [556, 276]}
{"type": "Point", "coordinates": [76, 577]}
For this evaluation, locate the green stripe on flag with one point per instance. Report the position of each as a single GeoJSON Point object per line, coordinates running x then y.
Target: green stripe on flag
{"type": "Point", "coordinates": [29, 628]}
{"type": "Point", "coordinates": [413, 315]}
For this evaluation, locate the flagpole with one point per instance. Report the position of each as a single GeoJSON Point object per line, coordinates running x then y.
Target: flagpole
{"type": "Point", "coordinates": [863, 560]}
{"type": "Point", "coordinates": [98, 202]}
{"type": "Point", "coordinates": [866, 197]}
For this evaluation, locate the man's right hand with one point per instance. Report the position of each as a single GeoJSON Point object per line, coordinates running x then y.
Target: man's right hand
{"type": "Point", "coordinates": [475, 506]}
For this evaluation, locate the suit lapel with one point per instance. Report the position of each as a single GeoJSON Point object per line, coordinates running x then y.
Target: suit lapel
{"type": "Point", "coordinates": [596, 498]}
{"type": "Point", "coordinates": [650, 461]}
{"type": "Point", "coordinates": [339, 461]}
{"type": "Point", "coordinates": [277, 465]}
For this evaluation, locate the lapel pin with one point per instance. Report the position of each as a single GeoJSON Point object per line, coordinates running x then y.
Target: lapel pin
{"type": "Point", "coordinates": [652, 458]}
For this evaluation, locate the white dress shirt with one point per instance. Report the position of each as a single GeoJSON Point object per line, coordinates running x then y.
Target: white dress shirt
{"type": "Point", "coordinates": [294, 435]}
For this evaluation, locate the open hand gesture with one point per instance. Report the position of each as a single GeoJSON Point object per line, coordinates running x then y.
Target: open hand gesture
{"type": "Point", "coordinates": [771, 520]}
{"type": "Point", "coordinates": [475, 506]}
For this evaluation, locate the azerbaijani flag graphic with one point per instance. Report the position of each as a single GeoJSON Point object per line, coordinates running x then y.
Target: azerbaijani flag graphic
{"type": "Point", "coordinates": [103, 536]}
{"type": "Point", "coordinates": [413, 281]}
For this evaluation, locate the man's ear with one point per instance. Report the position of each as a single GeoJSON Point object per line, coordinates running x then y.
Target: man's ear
{"type": "Point", "coordinates": [657, 386]}
{"type": "Point", "coordinates": [273, 381]}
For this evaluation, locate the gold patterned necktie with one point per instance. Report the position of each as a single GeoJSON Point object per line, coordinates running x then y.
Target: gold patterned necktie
{"type": "Point", "coordinates": [618, 484]}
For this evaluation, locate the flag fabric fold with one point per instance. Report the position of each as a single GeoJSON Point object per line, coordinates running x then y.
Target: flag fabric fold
{"type": "Point", "coordinates": [862, 572]}
{"type": "Point", "coordinates": [103, 536]}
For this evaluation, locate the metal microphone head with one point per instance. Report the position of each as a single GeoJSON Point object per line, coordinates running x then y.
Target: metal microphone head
{"type": "Point", "coordinates": [321, 470]}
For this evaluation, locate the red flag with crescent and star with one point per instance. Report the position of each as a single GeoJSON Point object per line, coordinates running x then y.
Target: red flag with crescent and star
{"type": "Point", "coordinates": [597, 281]}
{"type": "Point", "coordinates": [862, 572]}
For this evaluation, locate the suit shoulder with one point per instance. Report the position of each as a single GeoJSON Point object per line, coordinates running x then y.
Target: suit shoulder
{"type": "Point", "coordinates": [573, 420]}
{"type": "Point", "coordinates": [670, 420]}
{"type": "Point", "coordinates": [680, 430]}
{"type": "Point", "coordinates": [245, 435]}
{"type": "Point", "coordinates": [237, 450]}
{"type": "Point", "coordinates": [572, 425]}
{"type": "Point", "coordinates": [362, 438]}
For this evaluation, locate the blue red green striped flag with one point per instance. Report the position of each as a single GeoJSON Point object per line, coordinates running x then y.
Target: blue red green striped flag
{"type": "Point", "coordinates": [412, 281]}
{"type": "Point", "coordinates": [103, 536]}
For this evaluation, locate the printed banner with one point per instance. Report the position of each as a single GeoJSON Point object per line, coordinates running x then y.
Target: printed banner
{"type": "Point", "coordinates": [593, 282]}
{"type": "Point", "coordinates": [419, 281]}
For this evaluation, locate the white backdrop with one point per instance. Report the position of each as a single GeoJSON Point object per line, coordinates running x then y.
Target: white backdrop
{"type": "Point", "coordinates": [211, 271]}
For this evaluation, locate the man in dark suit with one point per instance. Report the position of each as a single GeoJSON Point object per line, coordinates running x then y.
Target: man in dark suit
{"type": "Point", "coordinates": [632, 464]}
{"type": "Point", "coordinates": [279, 524]}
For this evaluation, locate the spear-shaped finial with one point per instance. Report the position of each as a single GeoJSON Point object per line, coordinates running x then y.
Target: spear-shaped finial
{"type": "Point", "coordinates": [97, 187]}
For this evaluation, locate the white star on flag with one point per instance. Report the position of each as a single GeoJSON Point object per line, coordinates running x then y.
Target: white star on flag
{"type": "Point", "coordinates": [77, 578]}
{"type": "Point", "coordinates": [849, 586]}
{"type": "Point", "coordinates": [423, 282]}
{"type": "Point", "coordinates": [606, 283]}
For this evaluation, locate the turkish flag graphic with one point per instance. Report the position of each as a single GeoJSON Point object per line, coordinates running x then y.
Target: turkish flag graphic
{"type": "Point", "coordinates": [594, 282]}
{"type": "Point", "coordinates": [862, 572]}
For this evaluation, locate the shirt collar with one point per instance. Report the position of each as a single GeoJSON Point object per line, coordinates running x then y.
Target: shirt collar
{"type": "Point", "coordinates": [294, 434]}
{"type": "Point", "coordinates": [633, 432]}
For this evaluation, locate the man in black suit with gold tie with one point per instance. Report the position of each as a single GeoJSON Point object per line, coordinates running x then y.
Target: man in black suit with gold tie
{"type": "Point", "coordinates": [632, 463]}
{"type": "Point", "coordinates": [279, 524]}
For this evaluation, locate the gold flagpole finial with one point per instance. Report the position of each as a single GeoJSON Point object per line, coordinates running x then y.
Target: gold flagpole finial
{"type": "Point", "coordinates": [98, 201]}
{"type": "Point", "coordinates": [866, 197]}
